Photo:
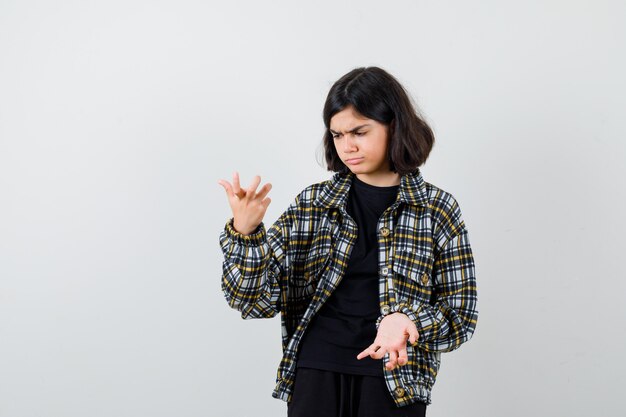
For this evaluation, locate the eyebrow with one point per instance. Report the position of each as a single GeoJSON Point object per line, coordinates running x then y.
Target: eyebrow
{"type": "Point", "coordinates": [356, 128]}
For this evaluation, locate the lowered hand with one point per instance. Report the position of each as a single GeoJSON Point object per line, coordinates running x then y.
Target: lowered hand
{"type": "Point", "coordinates": [391, 337]}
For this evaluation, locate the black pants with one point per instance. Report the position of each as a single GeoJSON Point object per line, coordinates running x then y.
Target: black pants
{"type": "Point", "coordinates": [319, 393]}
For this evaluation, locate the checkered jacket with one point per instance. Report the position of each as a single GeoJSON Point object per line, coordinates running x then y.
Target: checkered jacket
{"type": "Point", "coordinates": [426, 270]}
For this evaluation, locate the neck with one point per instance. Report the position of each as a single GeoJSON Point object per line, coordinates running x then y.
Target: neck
{"type": "Point", "coordinates": [380, 180]}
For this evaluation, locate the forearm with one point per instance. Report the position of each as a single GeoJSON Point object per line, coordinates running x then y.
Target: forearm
{"type": "Point", "coordinates": [249, 273]}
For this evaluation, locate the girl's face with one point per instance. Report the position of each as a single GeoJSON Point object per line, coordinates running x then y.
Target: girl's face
{"type": "Point", "coordinates": [361, 143]}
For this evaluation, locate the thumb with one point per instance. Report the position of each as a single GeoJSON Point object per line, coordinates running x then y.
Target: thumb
{"type": "Point", "coordinates": [227, 187]}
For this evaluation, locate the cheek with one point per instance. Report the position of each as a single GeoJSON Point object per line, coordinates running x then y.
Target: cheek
{"type": "Point", "coordinates": [381, 148]}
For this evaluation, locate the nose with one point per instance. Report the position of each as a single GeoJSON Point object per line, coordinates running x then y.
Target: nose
{"type": "Point", "coordinates": [348, 143]}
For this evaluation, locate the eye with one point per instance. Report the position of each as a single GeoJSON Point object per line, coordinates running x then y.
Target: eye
{"type": "Point", "coordinates": [360, 133]}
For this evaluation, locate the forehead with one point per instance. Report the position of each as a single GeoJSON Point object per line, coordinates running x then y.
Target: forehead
{"type": "Point", "coordinates": [348, 118]}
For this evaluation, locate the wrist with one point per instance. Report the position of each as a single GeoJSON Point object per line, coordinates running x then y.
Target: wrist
{"type": "Point", "coordinates": [243, 230]}
{"type": "Point", "coordinates": [255, 238]}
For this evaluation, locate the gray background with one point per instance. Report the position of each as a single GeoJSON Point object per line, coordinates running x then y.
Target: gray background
{"type": "Point", "coordinates": [117, 119]}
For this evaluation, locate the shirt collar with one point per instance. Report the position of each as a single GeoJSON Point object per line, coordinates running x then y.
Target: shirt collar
{"type": "Point", "coordinates": [335, 192]}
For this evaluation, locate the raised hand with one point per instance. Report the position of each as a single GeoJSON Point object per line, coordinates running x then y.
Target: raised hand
{"type": "Point", "coordinates": [391, 337]}
{"type": "Point", "coordinates": [248, 205]}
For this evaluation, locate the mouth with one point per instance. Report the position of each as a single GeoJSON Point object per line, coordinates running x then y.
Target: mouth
{"type": "Point", "coordinates": [353, 160]}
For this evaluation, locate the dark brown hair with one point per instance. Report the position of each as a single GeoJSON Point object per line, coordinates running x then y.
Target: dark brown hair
{"type": "Point", "coordinates": [377, 95]}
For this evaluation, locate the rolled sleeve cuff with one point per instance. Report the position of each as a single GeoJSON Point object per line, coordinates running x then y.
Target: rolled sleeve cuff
{"type": "Point", "coordinates": [254, 239]}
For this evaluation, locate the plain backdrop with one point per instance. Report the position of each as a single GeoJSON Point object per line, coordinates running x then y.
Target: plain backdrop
{"type": "Point", "coordinates": [117, 119]}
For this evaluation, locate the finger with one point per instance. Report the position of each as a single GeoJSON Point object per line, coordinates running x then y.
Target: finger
{"type": "Point", "coordinates": [235, 182]}
{"type": "Point", "coordinates": [366, 352]}
{"type": "Point", "coordinates": [266, 202]}
{"type": "Point", "coordinates": [226, 186]}
{"type": "Point", "coordinates": [403, 357]}
{"type": "Point", "coordinates": [252, 188]}
{"type": "Point", "coordinates": [393, 357]}
{"type": "Point", "coordinates": [413, 335]}
{"type": "Point", "coordinates": [378, 354]}
{"type": "Point", "coordinates": [264, 190]}
{"type": "Point", "coordinates": [229, 189]}
{"type": "Point", "coordinates": [236, 185]}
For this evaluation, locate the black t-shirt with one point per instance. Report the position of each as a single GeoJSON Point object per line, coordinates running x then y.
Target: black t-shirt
{"type": "Point", "coordinates": [345, 325]}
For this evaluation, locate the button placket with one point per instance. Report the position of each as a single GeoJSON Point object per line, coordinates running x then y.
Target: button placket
{"type": "Point", "coordinates": [386, 270]}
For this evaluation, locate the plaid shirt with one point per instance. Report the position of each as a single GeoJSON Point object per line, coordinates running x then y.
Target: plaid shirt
{"type": "Point", "coordinates": [426, 270]}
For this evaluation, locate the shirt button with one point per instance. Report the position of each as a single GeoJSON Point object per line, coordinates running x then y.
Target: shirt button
{"type": "Point", "coordinates": [425, 279]}
{"type": "Point", "coordinates": [385, 309]}
{"type": "Point", "coordinates": [384, 231]}
{"type": "Point", "coordinates": [399, 391]}
{"type": "Point", "coordinates": [385, 271]}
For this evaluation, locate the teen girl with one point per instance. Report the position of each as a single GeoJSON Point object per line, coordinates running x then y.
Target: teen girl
{"type": "Point", "coordinates": [371, 271]}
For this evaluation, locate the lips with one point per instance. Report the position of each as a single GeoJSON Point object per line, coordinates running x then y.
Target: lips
{"type": "Point", "coordinates": [353, 160]}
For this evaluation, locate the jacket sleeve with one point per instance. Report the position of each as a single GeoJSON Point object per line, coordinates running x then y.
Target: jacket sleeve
{"type": "Point", "coordinates": [450, 318]}
{"type": "Point", "coordinates": [254, 276]}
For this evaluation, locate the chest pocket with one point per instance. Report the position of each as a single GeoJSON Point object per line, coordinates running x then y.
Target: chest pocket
{"type": "Point", "coordinates": [413, 269]}
{"type": "Point", "coordinates": [318, 255]}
